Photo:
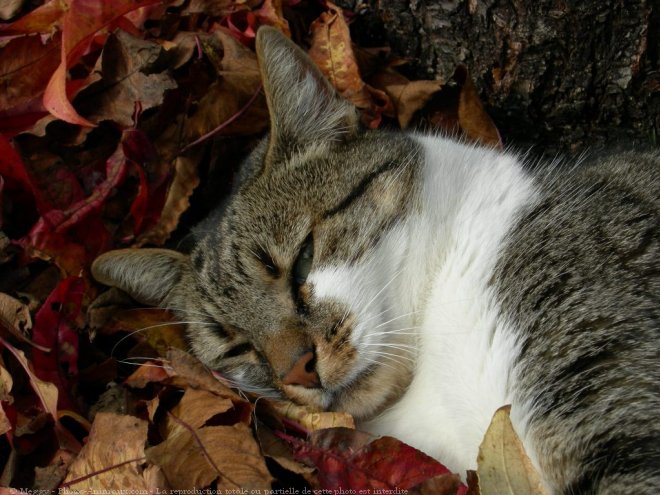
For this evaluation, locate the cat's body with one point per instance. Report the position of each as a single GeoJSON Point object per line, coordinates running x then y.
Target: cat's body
{"type": "Point", "coordinates": [420, 284]}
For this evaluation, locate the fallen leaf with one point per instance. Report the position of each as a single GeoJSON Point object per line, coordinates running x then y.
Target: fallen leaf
{"type": "Point", "coordinates": [15, 317]}
{"type": "Point", "coordinates": [81, 21]}
{"type": "Point", "coordinates": [5, 423]}
{"type": "Point", "coordinates": [9, 8]}
{"type": "Point", "coordinates": [197, 457]}
{"type": "Point", "coordinates": [46, 392]}
{"type": "Point", "coordinates": [183, 184]}
{"type": "Point", "coordinates": [112, 457]}
{"type": "Point", "coordinates": [331, 50]}
{"type": "Point", "coordinates": [270, 13]}
{"type": "Point", "coordinates": [158, 327]}
{"type": "Point", "coordinates": [73, 236]}
{"type": "Point", "coordinates": [197, 407]}
{"type": "Point", "coordinates": [275, 448]}
{"type": "Point", "coordinates": [130, 76]}
{"type": "Point", "coordinates": [50, 477]}
{"type": "Point", "coordinates": [6, 383]}
{"type": "Point", "coordinates": [44, 19]}
{"type": "Point", "coordinates": [355, 460]}
{"type": "Point", "coordinates": [149, 372]}
{"type": "Point", "coordinates": [26, 64]}
{"type": "Point", "coordinates": [461, 112]}
{"type": "Point", "coordinates": [502, 464]}
{"type": "Point", "coordinates": [53, 330]}
{"type": "Point", "coordinates": [407, 96]}
{"type": "Point", "coordinates": [195, 374]}
{"type": "Point", "coordinates": [217, 8]}
{"type": "Point", "coordinates": [239, 79]}
{"type": "Point", "coordinates": [472, 116]}
{"type": "Point", "coordinates": [308, 419]}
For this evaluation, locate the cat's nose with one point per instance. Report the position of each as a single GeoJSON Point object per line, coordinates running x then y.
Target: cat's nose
{"type": "Point", "coordinates": [303, 372]}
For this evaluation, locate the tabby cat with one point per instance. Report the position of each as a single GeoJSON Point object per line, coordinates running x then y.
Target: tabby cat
{"type": "Point", "coordinates": [420, 283]}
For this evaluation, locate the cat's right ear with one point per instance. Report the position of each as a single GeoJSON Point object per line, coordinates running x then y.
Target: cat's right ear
{"type": "Point", "coordinates": [304, 107]}
{"type": "Point", "coordinates": [147, 275]}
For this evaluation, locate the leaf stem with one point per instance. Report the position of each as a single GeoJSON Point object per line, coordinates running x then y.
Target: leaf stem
{"type": "Point", "coordinates": [231, 119]}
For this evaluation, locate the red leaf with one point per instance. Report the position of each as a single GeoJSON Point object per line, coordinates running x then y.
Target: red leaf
{"type": "Point", "coordinates": [52, 329]}
{"type": "Point", "coordinates": [75, 235]}
{"type": "Point", "coordinates": [153, 182]}
{"type": "Point", "coordinates": [351, 459]}
{"type": "Point", "coordinates": [80, 24]}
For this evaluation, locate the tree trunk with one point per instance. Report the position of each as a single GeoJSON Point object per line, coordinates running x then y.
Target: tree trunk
{"type": "Point", "coordinates": [562, 75]}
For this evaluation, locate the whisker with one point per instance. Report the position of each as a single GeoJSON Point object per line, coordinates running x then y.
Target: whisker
{"type": "Point", "coordinates": [395, 318]}
{"type": "Point", "coordinates": [396, 274]}
{"type": "Point", "coordinates": [380, 363]}
{"type": "Point", "coordinates": [394, 357]}
{"type": "Point", "coordinates": [158, 325]}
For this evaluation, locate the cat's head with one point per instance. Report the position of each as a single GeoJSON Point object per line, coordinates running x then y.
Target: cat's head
{"type": "Point", "coordinates": [294, 288]}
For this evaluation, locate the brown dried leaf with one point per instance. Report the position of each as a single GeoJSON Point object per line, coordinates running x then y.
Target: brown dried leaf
{"type": "Point", "coordinates": [503, 465]}
{"type": "Point", "coordinates": [407, 96]}
{"type": "Point", "coordinates": [15, 317]}
{"type": "Point", "coordinates": [5, 424]}
{"type": "Point", "coordinates": [239, 80]}
{"type": "Point", "coordinates": [130, 77]}
{"type": "Point", "coordinates": [26, 65]}
{"type": "Point", "coordinates": [198, 457]}
{"type": "Point", "coordinates": [112, 456]}
{"type": "Point", "coordinates": [197, 375]}
{"type": "Point", "coordinates": [472, 116]}
{"type": "Point", "coordinates": [331, 50]}
{"type": "Point", "coordinates": [46, 392]}
{"type": "Point", "coordinates": [197, 407]}
{"type": "Point", "coordinates": [217, 8]}
{"type": "Point", "coordinates": [149, 372]}
{"type": "Point", "coordinates": [6, 384]}
{"type": "Point", "coordinates": [308, 419]}
{"type": "Point", "coordinates": [50, 477]}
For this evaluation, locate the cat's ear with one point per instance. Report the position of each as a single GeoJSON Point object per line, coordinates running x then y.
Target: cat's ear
{"type": "Point", "coordinates": [147, 275]}
{"type": "Point", "coordinates": [304, 108]}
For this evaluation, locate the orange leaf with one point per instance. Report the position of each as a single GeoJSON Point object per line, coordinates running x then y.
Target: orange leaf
{"type": "Point", "coordinates": [472, 116]}
{"type": "Point", "coordinates": [43, 19]}
{"type": "Point", "coordinates": [331, 50]}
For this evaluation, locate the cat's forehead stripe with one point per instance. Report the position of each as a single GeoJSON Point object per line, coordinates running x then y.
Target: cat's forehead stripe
{"type": "Point", "coordinates": [359, 189]}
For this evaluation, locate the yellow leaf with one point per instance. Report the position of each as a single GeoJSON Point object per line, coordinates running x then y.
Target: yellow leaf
{"type": "Point", "coordinates": [112, 457]}
{"type": "Point", "coordinates": [503, 466]}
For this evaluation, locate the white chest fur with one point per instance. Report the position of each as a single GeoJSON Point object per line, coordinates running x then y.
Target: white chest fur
{"type": "Point", "coordinates": [466, 349]}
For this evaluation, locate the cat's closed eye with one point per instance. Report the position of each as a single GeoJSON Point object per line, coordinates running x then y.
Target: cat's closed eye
{"type": "Point", "coordinates": [303, 264]}
{"type": "Point", "coordinates": [239, 350]}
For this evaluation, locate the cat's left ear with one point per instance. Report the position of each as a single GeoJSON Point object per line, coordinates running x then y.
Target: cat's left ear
{"type": "Point", "coordinates": [154, 277]}
{"type": "Point", "coordinates": [304, 108]}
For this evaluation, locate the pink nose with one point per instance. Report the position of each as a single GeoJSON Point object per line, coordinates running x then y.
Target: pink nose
{"type": "Point", "coordinates": [303, 372]}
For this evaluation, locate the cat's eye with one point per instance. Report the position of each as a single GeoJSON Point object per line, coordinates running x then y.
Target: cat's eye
{"type": "Point", "coordinates": [303, 263]}
{"type": "Point", "coordinates": [238, 350]}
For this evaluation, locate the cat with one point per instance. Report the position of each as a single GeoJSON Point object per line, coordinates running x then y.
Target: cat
{"type": "Point", "coordinates": [420, 283]}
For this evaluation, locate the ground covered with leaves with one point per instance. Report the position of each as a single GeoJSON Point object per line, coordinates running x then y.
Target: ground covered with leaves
{"type": "Point", "coordinates": [121, 124]}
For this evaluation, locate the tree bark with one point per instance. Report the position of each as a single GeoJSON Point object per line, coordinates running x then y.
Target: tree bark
{"type": "Point", "coordinates": [562, 75]}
